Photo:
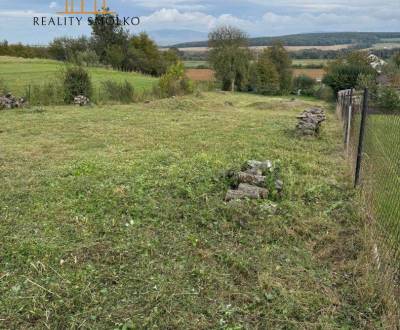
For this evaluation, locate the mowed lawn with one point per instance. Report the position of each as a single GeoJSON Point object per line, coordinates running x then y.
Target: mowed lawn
{"type": "Point", "coordinates": [113, 217]}
{"type": "Point", "coordinates": [18, 73]}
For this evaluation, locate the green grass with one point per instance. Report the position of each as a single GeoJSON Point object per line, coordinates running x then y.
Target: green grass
{"type": "Point", "coordinates": [305, 62]}
{"type": "Point", "coordinates": [195, 64]}
{"type": "Point", "coordinates": [18, 74]}
{"type": "Point", "coordinates": [114, 215]}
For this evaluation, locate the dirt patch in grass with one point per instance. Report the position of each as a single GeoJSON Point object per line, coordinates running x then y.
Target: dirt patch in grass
{"type": "Point", "coordinates": [200, 74]}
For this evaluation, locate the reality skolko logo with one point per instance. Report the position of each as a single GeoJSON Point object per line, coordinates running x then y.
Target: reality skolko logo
{"type": "Point", "coordinates": [72, 15]}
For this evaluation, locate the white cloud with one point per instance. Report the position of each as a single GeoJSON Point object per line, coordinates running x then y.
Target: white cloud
{"type": "Point", "coordinates": [53, 5]}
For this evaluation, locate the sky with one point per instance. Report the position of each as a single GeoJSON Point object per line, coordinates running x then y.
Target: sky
{"type": "Point", "coordinates": [191, 20]}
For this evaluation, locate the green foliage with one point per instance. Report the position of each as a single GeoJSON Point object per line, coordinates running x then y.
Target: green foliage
{"type": "Point", "coordinates": [279, 57]}
{"type": "Point", "coordinates": [304, 84]}
{"type": "Point", "coordinates": [67, 49]}
{"type": "Point", "coordinates": [264, 77]}
{"type": "Point", "coordinates": [230, 57]}
{"type": "Point", "coordinates": [115, 91]}
{"type": "Point", "coordinates": [87, 58]}
{"type": "Point", "coordinates": [76, 81]}
{"type": "Point", "coordinates": [325, 93]}
{"type": "Point", "coordinates": [174, 82]}
{"type": "Point", "coordinates": [25, 51]}
{"type": "Point", "coordinates": [389, 98]}
{"type": "Point", "coordinates": [271, 74]}
{"type": "Point", "coordinates": [106, 38]}
{"type": "Point", "coordinates": [144, 56]}
{"type": "Point", "coordinates": [344, 73]}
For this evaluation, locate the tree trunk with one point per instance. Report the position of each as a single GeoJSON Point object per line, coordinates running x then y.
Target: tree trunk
{"type": "Point", "coordinates": [233, 85]}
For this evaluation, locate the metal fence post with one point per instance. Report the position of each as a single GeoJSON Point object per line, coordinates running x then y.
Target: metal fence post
{"type": "Point", "coordinates": [361, 138]}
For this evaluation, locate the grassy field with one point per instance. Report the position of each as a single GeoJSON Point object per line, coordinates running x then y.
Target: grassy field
{"type": "Point", "coordinates": [18, 73]}
{"type": "Point", "coordinates": [114, 216]}
{"type": "Point", "coordinates": [194, 64]}
{"type": "Point", "coordinates": [305, 62]}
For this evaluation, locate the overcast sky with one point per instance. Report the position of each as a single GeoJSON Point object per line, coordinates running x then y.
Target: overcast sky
{"type": "Point", "coordinates": [257, 17]}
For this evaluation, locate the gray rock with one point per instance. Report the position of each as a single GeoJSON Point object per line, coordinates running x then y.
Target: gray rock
{"type": "Point", "coordinates": [252, 179]}
{"type": "Point", "coordinates": [81, 100]}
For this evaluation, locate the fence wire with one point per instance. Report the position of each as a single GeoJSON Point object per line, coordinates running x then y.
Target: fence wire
{"type": "Point", "coordinates": [379, 179]}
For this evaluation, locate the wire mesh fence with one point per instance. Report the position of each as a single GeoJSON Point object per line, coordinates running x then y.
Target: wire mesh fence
{"type": "Point", "coordinates": [372, 142]}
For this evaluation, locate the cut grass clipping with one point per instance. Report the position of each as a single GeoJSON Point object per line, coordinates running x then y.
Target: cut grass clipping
{"type": "Point", "coordinates": [114, 218]}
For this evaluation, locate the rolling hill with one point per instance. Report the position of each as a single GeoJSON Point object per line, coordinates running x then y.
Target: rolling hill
{"type": "Point", "coordinates": [315, 39]}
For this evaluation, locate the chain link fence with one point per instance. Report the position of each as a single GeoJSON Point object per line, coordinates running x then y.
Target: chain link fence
{"type": "Point", "coordinates": [372, 143]}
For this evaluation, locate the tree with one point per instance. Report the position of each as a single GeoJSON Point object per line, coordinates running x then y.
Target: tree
{"type": "Point", "coordinates": [278, 55]}
{"type": "Point", "coordinates": [230, 56]}
{"type": "Point", "coordinates": [264, 77]}
{"type": "Point", "coordinates": [106, 33]}
{"type": "Point", "coordinates": [345, 72]}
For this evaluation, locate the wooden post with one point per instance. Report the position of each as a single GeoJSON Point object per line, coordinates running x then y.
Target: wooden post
{"type": "Point", "coordinates": [361, 138]}
{"type": "Point", "coordinates": [349, 121]}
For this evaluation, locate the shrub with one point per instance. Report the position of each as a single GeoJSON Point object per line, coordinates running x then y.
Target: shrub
{"type": "Point", "coordinates": [304, 84]}
{"type": "Point", "coordinates": [325, 93]}
{"type": "Point", "coordinates": [76, 81]}
{"type": "Point", "coordinates": [115, 91]}
{"type": "Point", "coordinates": [389, 98]}
{"type": "Point", "coordinates": [87, 58]}
{"type": "Point", "coordinates": [174, 82]}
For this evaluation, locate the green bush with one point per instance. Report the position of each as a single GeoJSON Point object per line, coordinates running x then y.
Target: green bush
{"type": "Point", "coordinates": [174, 82]}
{"type": "Point", "coordinates": [325, 93]}
{"type": "Point", "coordinates": [304, 84]}
{"type": "Point", "coordinates": [389, 98]}
{"type": "Point", "coordinates": [87, 58]}
{"type": "Point", "coordinates": [115, 91]}
{"type": "Point", "coordinates": [76, 81]}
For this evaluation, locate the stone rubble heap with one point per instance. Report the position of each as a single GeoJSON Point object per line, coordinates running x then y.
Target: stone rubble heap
{"type": "Point", "coordinates": [9, 101]}
{"type": "Point", "coordinates": [310, 121]}
{"type": "Point", "coordinates": [252, 182]}
{"type": "Point", "coordinates": [81, 100]}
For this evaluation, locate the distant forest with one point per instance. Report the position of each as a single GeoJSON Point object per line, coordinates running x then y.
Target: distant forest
{"type": "Point", "coordinates": [314, 39]}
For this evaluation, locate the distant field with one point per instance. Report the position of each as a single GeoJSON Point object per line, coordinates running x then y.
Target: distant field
{"type": "Point", "coordinates": [18, 73]}
{"type": "Point", "coordinates": [386, 45]}
{"type": "Point", "coordinates": [194, 64]}
{"type": "Point", "coordinates": [289, 48]}
{"type": "Point", "coordinates": [313, 73]}
{"type": "Point", "coordinates": [208, 74]}
{"type": "Point", "coordinates": [200, 74]}
{"type": "Point", "coordinates": [310, 62]}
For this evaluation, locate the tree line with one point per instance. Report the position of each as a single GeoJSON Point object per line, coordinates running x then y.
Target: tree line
{"type": "Point", "coordinates": [109, 44]}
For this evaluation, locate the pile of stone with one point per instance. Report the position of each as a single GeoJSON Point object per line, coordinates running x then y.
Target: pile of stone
{"type": "Point", "coordinates": [81, 100]}
{"type": "Point", "coordinates": [9, 101]}
{"type": "Point", "coordinates": [251, 181]}
{"type": "Point", "coordinates": [310, 121]}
